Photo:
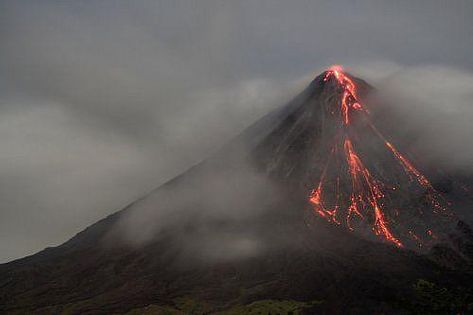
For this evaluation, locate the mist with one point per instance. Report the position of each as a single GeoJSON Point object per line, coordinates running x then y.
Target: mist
{"type": "Point", "coordinates": [435, 106]}
{"type": "Point", "coordinates": [209, 212]}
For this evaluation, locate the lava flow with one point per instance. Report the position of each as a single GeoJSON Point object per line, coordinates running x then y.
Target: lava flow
{"type": "Point", "coordinates": [367, 202]}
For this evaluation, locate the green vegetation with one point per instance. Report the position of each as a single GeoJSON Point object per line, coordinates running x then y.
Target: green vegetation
{"type": "Point", "coordinates": [155, 310]}
{"type": "Point", "coordinates": [191, 306]}
{"type": "Point", "coordinates": [270, 307]}
{"type": "Point", "coordinates": [430, 298]}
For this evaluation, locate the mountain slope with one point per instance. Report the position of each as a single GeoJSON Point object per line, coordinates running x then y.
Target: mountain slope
{"type": "Point", "coordinates": [310, 203]}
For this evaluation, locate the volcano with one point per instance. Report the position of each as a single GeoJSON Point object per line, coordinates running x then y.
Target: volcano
{"type": "Point", "coordinates": [317, 208]}
{"type": "Point", "coordinates": [354, 189]}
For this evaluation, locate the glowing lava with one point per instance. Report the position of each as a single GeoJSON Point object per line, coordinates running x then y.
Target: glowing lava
{"type": "Point", "coordinates": [316, 199]}
{"type": "Point", "coordinates": [414, 174]}
{"type": "Point", "coordinates": [360, 175]}
{"type": "Point", "coordinates": [349, 96]}
{"type": "Point", "coordinates": [365, 204]}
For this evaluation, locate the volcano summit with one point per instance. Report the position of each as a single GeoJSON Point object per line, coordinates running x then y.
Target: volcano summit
{"type": "Point", "coordinates": [376, 192]}
{"type": "Point", "coordinates": [318, 208]}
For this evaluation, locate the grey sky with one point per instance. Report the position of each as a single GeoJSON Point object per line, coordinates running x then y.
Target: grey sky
{"type": "Point", "coordinates": [101, 101]}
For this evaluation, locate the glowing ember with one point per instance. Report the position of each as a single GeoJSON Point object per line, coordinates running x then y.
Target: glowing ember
{"type": "Point", "coordinates": [360, 175]}
{"type": "Point", "coordinates": [316, 200]}
{"type": "Point", "coordinates": [365, 205]}
{"type": "Point", "coordinates": [349, 97]}
{"type": "Point", "coordinates": [433, 197]}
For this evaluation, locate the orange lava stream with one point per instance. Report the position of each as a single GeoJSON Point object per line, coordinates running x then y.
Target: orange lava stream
{"type": "Point", "coordinates": [414, 173]}
{"type": "Point", "coordinates": [360, 175]}
{"type": "Point", "coordinates": [344, 80]}
{"type": "Point", "coordinates": [406, 164]}
{"type": "Point", "coordinates": [316, 199]}
{"type": "Point", "coordinates": [349, 97]}
{"type": "Point", "coordinates": [366, 191]}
